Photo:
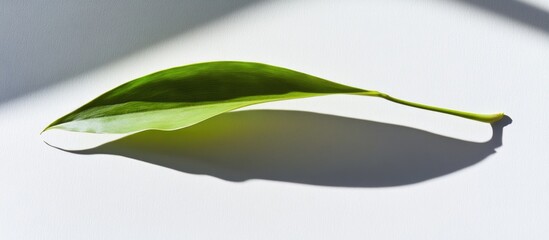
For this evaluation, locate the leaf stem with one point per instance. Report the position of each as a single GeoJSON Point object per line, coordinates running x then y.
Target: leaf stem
{"type": "Point", "coordinates": [488, 118]}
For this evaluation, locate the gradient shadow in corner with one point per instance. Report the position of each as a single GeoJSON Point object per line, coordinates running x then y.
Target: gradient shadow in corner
{"type": "Point", "coordinates": [304, 147]}
{"type": "Point", "coordinates": [45, 42]}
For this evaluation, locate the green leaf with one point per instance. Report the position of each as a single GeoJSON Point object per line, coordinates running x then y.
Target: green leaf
{"type": "Point", "coordinates": [180, 97]}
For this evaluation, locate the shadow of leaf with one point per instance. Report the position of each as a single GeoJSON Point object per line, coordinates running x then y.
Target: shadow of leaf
{"type": "Point", "coordinates": [304, 147]}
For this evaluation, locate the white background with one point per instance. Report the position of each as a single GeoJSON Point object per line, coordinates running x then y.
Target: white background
{"type": "Point", "coordinates": [369, 169]}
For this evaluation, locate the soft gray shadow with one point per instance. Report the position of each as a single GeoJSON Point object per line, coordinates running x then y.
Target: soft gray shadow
{"type": "Point", "coordinates": [521, 12]}
{"type": "Point", "coordinates": [43, 42]}
{"type": "Point", "coordinates": [304, 147]}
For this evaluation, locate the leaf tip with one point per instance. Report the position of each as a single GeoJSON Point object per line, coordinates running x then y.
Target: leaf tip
{"type": "Point", "coordinates": [50, 126]}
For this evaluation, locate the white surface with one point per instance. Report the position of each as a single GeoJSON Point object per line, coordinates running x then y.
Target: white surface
{"type": "Point", "coordinates": [445, 53]}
